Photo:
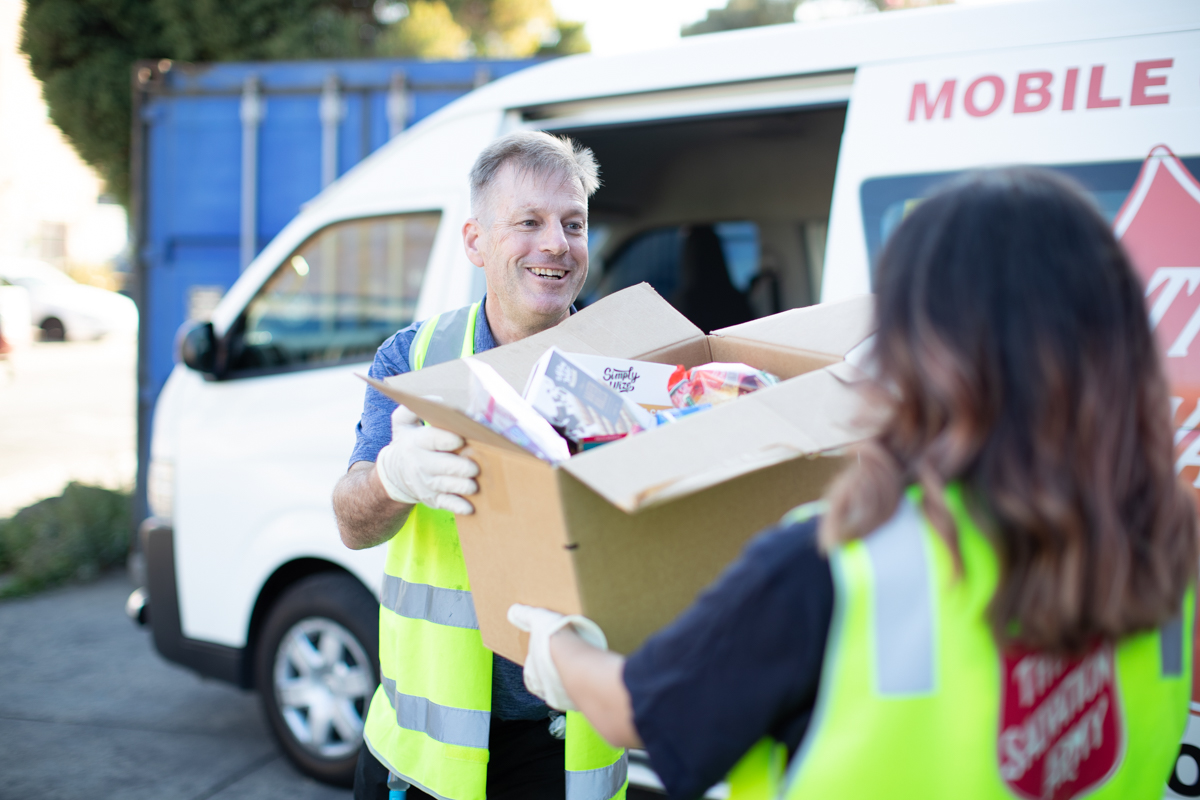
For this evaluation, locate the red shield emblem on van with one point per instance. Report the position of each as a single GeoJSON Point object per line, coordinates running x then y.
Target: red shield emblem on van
{"type": "Point", "coordinates": [1159, 224]}
{"type": "Point", "coordinates": [1060, 723]}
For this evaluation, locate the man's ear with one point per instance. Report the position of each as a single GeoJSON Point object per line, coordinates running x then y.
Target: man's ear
{"type": "Point", "coordinates": [472, 230]}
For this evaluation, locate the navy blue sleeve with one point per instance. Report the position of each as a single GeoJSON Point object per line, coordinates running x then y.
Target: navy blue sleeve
{"type": "Point", "coordinates": [743, 662]}
{"type": "Point", "coordinates": [374, 429]}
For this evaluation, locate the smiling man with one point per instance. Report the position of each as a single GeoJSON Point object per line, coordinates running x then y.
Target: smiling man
{"type": "Point", "coordinates": [451, 720]}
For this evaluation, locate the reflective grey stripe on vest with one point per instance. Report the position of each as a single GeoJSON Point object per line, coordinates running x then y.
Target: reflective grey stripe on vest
{"type": "Point", "coordinates": [598, 784]}
{"type": "Point", "coordinates": [453, 607]}
{"type": "Point", "coordinates": [445, 724]}
{"type": "Point", "coordinates": [903, 609]}
{"type": "Point", "coordinates": [1170, 643]}
{"type": "Point", "coordinates": [446, 343]}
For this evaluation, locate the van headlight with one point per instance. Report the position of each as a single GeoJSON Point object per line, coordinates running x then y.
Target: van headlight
{"type": "Point", "coordinates": [160, 488]}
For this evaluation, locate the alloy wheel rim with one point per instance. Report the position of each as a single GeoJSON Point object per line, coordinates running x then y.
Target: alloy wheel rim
{"type": "Point", "coordinates": [323, 685]}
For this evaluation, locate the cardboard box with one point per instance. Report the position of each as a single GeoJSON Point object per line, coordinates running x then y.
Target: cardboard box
{"type": "Point", "coordinates": [629, 533]}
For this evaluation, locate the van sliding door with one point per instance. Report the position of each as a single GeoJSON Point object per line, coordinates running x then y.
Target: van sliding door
{"type": "Point", "coordinates": [717, 196]}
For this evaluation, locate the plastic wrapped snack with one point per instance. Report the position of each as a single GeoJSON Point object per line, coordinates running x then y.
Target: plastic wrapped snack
{"type": "Point", "coordinates": [492, 402]}
{"type": "Point", "coordinates": [716, 383]}
{"type": "Point", "coordinates": [669, 415]}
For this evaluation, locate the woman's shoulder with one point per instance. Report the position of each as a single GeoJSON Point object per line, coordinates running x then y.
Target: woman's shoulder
{"type": "Point", "coordinates": [792, 540]}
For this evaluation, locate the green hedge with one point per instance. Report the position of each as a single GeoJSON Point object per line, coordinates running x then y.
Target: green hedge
{"type": "Point", "coordinates": [73, 537]}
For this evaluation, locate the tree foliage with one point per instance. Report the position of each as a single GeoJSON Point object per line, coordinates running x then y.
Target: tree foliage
{"type": "Point", "coordinates": [753, 13]}
{"type": "Point", "coordinates": [83, 50]}
{"type": "Point", "coordinates": [744, 14]}
{"type": "Point", "coordinates": [493, 28]}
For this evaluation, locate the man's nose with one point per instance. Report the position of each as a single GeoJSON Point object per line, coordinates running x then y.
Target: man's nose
{"type": "Point", "coordinates": [553, 240]}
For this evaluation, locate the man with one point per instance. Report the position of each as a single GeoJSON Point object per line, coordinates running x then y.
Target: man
{"type": "Point", "coordinates": [451, 719]}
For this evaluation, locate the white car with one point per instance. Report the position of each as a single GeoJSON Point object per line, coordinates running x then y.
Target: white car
{"type": "Point", "coordinates": [66, 310]}
{"type": "Point", "coordinates": [15, 330]}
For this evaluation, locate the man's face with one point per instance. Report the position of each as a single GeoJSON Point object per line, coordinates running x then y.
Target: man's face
{"type": "Point", "coordinates": [531, 239]}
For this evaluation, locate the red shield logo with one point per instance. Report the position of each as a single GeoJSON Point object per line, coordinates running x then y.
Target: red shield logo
{"type": "Point", "coordinates": [1159, 225]}
{"type": "Point", "coordinates": [1060, 723]}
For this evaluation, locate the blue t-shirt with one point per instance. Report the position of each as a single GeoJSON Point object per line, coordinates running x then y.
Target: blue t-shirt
{"type": "Point", "coordinates": [510, 699]}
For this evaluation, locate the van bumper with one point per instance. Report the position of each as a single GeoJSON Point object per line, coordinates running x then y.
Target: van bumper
{"type": "Point", "coordinates": [211, 660]}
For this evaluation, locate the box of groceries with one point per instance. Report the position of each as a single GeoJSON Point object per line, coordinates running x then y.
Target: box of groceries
{"type": "Point", "coordinates": [626, 457]}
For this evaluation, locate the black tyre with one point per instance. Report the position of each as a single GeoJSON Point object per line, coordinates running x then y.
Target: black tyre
{"type": "Point", "coordinates": [53, 330]}
{"type": "Point", "coordinates": [316, 667]}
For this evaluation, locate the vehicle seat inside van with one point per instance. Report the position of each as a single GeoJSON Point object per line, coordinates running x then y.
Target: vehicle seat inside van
{"type": "Point", "coordinates": [706, 295]}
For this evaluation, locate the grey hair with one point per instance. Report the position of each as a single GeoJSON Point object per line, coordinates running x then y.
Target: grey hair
{"type": "Point", "coordinates": [536, 152]}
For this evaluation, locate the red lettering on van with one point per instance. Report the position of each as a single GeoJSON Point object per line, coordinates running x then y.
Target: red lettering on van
{"type": "Point", "coordinates": [1142, 80]}
{"type": "Point", "coordinates": [1095, 84]}
{"type": "Point", "coordinates": [997, 95]}
{"type": "Point", "coordinates": [920, 94]}
{"type": "Point", "coordinates": [1069, 89]}
{"type": "Point", "coordinates": [1025, 88]}
{"type": "Point", "coordinates": [1035, 90]}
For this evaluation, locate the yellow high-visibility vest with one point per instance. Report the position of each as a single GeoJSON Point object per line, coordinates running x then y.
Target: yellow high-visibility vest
{"type": "Point", "coordinates": [430, 718]}
{"type": "Point", "coordinates": [916, 700]}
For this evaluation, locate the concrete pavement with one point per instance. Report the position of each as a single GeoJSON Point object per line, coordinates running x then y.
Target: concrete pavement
{"type": "Point", "coordinates": [89, 709]}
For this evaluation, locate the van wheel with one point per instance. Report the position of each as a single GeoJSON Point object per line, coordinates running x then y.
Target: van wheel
{"type": "Point", "coordinates": [53, 330]}
{"type": "Point", "coordinates": [316, 667]}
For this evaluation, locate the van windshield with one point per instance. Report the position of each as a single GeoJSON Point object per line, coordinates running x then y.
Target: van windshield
{"type": "Point", "coordinates": [887, 201]}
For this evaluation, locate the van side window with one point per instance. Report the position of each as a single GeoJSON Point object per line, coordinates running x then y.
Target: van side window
{"type": "Point", "coordinates": [336, 298]}
{"type": "Point", "coordinates": [887, 201]}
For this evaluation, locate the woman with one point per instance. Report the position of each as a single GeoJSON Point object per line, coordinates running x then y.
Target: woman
{"type": "Point", "coordinates": [998, 600]}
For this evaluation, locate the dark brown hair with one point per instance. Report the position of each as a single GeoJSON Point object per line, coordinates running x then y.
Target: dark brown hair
{"type": "Point", "coordinates": [1013, 355]}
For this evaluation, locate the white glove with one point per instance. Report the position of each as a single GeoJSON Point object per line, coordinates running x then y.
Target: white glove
{"type": "Point", "coordinates": [419, 466]}
{"type": "Point", "coordinates": [541, 674]}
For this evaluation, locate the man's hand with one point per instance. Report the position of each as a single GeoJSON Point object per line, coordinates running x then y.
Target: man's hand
{"type": "Point", "coordinates": [419, 466]}
{"type": "Point", "coordinates": [373, 499]}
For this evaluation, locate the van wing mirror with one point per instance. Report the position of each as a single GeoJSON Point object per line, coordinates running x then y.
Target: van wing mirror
{"type": "Point", "coordinates": [198, 348]}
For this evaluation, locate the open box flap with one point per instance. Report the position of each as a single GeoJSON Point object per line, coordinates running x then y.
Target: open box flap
{"type": "Point", "coordinates": [848, 373]}
{"type": "Point", "coordinates": [830, 328]}
{"type": "Point", "coordinates": [626, 324]}
{"type": "Point", "coordinates": [805, 416]}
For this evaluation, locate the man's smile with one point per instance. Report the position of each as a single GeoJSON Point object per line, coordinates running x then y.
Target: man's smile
{"type": "Point", "coordinates": [551, 273]}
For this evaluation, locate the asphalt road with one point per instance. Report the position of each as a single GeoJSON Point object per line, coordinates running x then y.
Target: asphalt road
{"type": "Point", "coordinates": [88, 709]}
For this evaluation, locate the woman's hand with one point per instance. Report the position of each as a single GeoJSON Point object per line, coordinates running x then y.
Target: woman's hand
{"type": "Point", "coordinates": [541, 673]}
{"type": "Point", "coordinates": [570, 668]}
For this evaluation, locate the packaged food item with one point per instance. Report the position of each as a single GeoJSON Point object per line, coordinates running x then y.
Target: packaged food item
{"type": "Point", "coordinates": [592, 442]}
{"type": "Point", "coordinates": [581, 406]}
{"type": "Point", "coordinates": [643, 382]}
{"type": "Point", "coordinates": [670, 415]}
{"type": "Point", "coordinates": [716, 383]}
{"type": "Point", "coordinates": [492, 402]}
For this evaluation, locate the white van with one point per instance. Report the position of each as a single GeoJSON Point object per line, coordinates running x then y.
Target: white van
{"type": "Point", "coordinates": [800, 145]}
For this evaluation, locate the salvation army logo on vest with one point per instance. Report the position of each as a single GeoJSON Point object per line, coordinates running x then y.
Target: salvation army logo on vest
{"type": "Point", "coordinates": [1061, 732]}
